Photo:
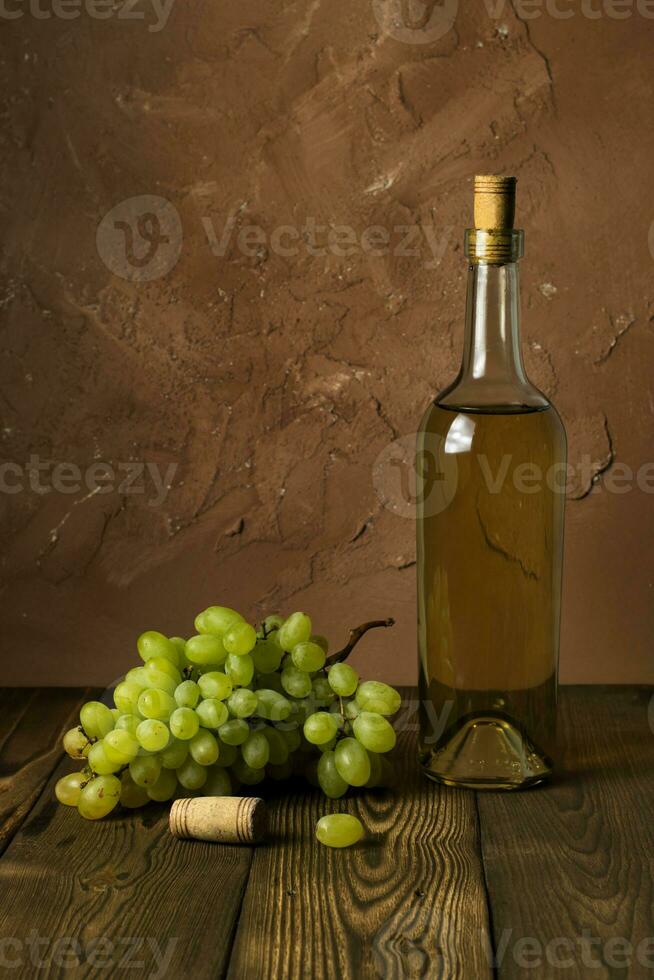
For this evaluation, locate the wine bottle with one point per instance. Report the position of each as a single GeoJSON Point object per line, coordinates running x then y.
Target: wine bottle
{"type": "Point", "coordinates": [490, 472]}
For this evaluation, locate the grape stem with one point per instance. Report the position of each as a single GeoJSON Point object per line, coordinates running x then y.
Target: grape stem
{"type": "Point", "coordinates": [355, 636]}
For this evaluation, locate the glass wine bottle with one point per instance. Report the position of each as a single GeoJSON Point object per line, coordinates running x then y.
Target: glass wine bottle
{"type": "Point", "coordinates": [491, 470]}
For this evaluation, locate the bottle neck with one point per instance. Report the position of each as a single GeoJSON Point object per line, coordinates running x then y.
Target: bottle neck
{"type": "Point", "coordinates": [492, 339]}
{"type": "Point", "coordinates": [492, 375]}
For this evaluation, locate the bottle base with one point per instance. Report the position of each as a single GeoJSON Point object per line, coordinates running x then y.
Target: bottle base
{"type": "Point", "coordinates": [486, 752]}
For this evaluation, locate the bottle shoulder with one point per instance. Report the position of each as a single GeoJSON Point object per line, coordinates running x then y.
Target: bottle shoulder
{"type": "Point", "coordinates": [493, 397]}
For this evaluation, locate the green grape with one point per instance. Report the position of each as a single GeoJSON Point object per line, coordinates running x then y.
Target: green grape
{"type": "Point", "coordinates": [184, 723]}
{"type": "Point", "coordinates": [152, 735]}
{"type": "Point", "coordinates": [156, 704]}
{"type": "Point", "coordinates": [271, 623]}
{"type": "Point", "coordinates": [271, 705]}
{"type": "Point", "coordinates": [218, 783]}
{"type": "Point", "coordinates": [234, 731]}
{"type": "Point", "coordinates": [352, 762]}
{"type": "Point", "coordinates": [99, 762]}
{"type": "Point", "coordinates": [352, 710]}
{"type": "Point", "coordinates": [228, 754]}
{"type": "Point", "coordinates": [331, 783]}
{"type": "Point", "coordinates": [308, 656]}
{"type": "Point", "coordinates": [159, 680]}
{"type": "Point", "coordinates": [128, 723]}
{"type": "Point", "coordinates": [215, 685]}
{"type": "Point", "coordinates": [152, 644]}
{"type": "Point", "coordinates": [179, 643]}
{"type": "Point", "coordinates": [292, 738]}
{"type": "Point", "coordinates": [204, 748]}
{"type": "Point", "coordinates": [145, 769]}
{"type": "Point", "coordinates": [378, 697]}
{"type": "Point", "coordinates": [163, 665]}
{"type": "Point", "coordinates": [240, 669]}
{"type": "Point", "coordinates": [187, 694]}
{"type": "Point", "coordinates": [271, 682]}
{"type": "Point", "coordinates": [327, 746]}
{"type": "Point", "coordinates": [120, 746]}
{"type": "Point", "coordinates": [295, 629]}
{"type": "Point", "coordinates": [242, 703]}
{"type": "Point", "coordinates": [137, 676]}
{"type": "Point", "coordinates": [240, 639]}
{"type": "Point", "coordinates": [205, 649]}
{"type": "Point", "coordinates": [339, 830]}
{"type": "Point", "coordinates": [374, 732]}
{"type": "Point", "coordinates": [277, 744]}
{"type": "Point", "coordinates": [96, 719]}
{"type": "Point", "coordinates": [343, 680]}
{"type": "Point", "coordinates": [69, 788]}
{"type": "Point", "coordinates": [99, 797]}
{"type": "Point", "coordinates": [246, 775]}
{"type": "Point", "coordinates": [322, 641]}
{"type": "Point", "coordinates": [320, 727]}
{"type": "Point", "coordinates": [216, 619]}
{"type": "Point", "coordinates": [76, 744]}
{"type": "Point", "coordinates": [279, 772]}
{"type": "Point", "coordinates": [174, 754]}
{"type": "Point", "coordinates": [267, 657]}
{"type": "Point", "coordinates": [126, 696]}
{"type": "Point", "coordinates": [131, 795]}
{"type": "Point", "coordinates": [295, 682]}
{"type": "Point", "coordinates": [116, 714]}
{"type": "Point", "coordinates": [212, 713]}
{"type": "Point", "coordinates": [256, 750]}
{"type": "Point", "coordinates": [192, 775]}
{"type": "Point", "coordinates": [322, 693]}
{"type": "Point", "coordinates": [165, 787]}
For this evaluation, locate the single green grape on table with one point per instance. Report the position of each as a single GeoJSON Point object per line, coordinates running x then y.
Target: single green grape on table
{"type": "Point", "coordinates": [220, 711]}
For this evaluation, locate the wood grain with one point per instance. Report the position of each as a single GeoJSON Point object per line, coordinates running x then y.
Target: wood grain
{"type": "Point", "coordinates": [437, 874]}
{"type": "Point", "coordinates": [31, 726]}
{"type": "Point", "coordinates": [577, 857]}
{"type": "Point", "coordinates": [408, 901]}
{"type": "Point", "coordinates": [135, 899]}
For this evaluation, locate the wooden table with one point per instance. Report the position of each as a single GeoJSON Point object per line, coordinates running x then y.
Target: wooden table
{"type": "Point", "coordinates": [552, 882]}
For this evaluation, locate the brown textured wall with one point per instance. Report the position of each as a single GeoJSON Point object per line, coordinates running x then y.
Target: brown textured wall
{"type": "Point", "coordinates": [275, 380]}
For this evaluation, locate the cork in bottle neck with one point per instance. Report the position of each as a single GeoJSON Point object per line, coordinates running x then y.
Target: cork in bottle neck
{"type": "Point", "coordinates": [493, 238]}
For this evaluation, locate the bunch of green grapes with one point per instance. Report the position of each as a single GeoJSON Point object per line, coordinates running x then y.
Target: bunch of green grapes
{"type": "Point", "coordinates": [223, 710]}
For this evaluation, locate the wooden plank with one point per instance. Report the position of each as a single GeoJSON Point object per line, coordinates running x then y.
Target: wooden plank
{"type": "Point", "coordinates": [407, 901]}
{"type": "Point", "coordinates": [32, 723]}
{"type": "Point", "coordinates": [570, 867]}
{"type": "Point", "coordinates": [137, 901]}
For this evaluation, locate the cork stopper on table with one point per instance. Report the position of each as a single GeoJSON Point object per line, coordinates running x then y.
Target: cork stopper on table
{"type": "Point", "coordinates": [494, 202]}
{"type": "Point", "coordinates": [224, 819]}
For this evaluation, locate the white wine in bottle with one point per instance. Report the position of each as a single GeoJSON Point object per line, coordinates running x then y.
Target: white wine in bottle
{"type": "Point", "coordinates": [491, 473]}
